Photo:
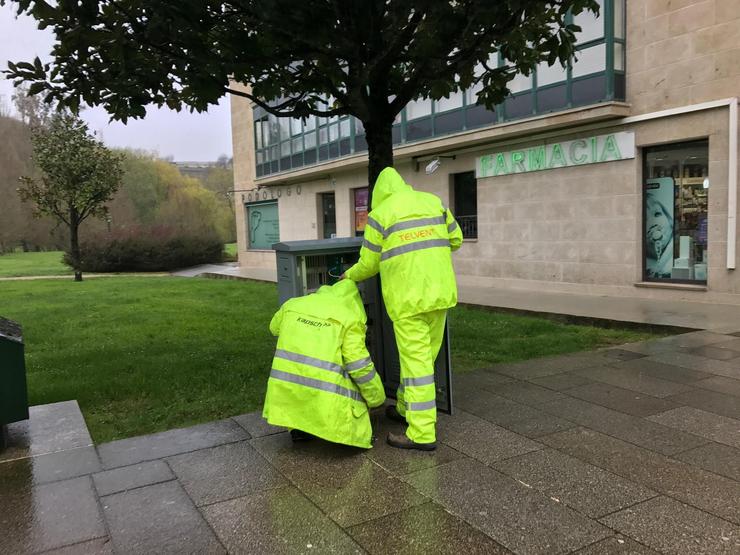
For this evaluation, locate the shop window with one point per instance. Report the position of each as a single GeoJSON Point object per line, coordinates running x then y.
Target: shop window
{"type": "Point", "coordinates": [328, 215]}
{"type": "Point", "coordinates": [362, 206]}
{"type": "Point", "coordinates": [465, 203]}
{"type": "Point", "coordinates": [676, 188]}
{"type": "Point", "coordinates": [263, 225]}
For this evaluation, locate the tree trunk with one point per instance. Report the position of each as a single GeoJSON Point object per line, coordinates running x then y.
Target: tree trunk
{"type": "Point", "coordinates": [380, 149]}
{"type": "Point", "coordinates": [75, 250]}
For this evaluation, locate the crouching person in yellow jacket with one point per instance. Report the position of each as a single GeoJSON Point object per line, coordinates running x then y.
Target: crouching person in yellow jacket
{"type": "Point", "coordinates": [323, 380]}
{"type": "Point", "coordinates": [409, 237]}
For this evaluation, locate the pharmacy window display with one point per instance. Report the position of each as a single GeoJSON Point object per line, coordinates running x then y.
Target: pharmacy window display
{"type": "Point", "coordinates": [675, 195]}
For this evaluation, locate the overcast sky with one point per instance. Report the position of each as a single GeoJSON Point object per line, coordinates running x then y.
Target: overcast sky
{"type": "Point", "coordinates": [185, 136]}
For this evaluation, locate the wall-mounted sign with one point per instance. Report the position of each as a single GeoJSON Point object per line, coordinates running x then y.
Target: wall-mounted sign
{"type": "Point", "coordinates": [578, 152]}
{"type": "Point", "coordinates": [263, 225]}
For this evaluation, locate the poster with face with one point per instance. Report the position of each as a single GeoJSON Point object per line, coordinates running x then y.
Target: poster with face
{"type": "Point", "coordinates": [659, 218]}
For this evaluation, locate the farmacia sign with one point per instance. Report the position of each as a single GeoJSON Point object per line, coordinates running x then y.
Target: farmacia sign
{"type": "Point", "coordinates": [589, 150]}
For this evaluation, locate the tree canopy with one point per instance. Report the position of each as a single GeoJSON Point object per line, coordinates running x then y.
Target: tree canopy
{"type": "Point", "coordinates": [366, 58]}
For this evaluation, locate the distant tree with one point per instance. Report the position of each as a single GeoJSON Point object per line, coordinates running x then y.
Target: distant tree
{"type": "Point", "coordinates": [79, 175]}
{"type": "Point", "coordinates": [365, 58]}
{"type": "Point", "coordinates": [32, 110]}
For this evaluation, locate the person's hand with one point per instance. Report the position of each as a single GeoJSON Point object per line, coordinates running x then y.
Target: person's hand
{"type": "Point", "coordinates": [343, 276]}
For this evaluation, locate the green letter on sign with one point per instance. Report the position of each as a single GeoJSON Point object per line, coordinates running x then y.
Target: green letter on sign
{"type": "Point", "coordinates": [501, 167]}
{"type": "Point", "coordinates": [574, 156]}
{"type": "Point", "coordinates": [517, 161]}
{"type": "Point", "coordinates": [536, 158]}
{"type": "Point", "coordinates": [557, 156]}
{"type": "Point", "coordinates": [485, 165]}
{"type": "Point", "coordinates": [610, 149]}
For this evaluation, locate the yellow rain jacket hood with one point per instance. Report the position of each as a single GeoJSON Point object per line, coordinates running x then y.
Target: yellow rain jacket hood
{"type": "Point", "coordinates": [322, 378]}
{"type": "Point", "coordinates": [408, 238]}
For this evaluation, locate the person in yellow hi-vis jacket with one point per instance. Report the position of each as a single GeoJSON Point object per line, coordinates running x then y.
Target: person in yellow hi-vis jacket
{"type": "Point", "coordinates": [322, 379]}
{"type": "Point", "coordinates": [408, 238]}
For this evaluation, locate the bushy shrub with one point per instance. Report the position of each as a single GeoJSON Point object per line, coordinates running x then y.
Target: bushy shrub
{"type": "Point", "coordinates": [148, 250]}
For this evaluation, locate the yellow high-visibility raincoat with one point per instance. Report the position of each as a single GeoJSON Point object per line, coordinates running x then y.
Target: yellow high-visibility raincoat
{"type": "Point", "coordinates": [408, 238]}
{"type": "Point", "coordinates": [322, 377]}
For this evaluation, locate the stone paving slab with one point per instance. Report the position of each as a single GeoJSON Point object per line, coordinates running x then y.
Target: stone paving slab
{"type": "Point", "coordinates": [484, 378]}
{"type": "Point", "coordinates": [424, 529]}
{"type": "Point", "coordinates": [158, 519]}
{"type": "Point", "coordinates": [635, 380]}
{"type": "Point", "coordinates": [132, 477]}
{"type": "Point", "coordinates": [673, 527]}
{"type": "Point", "coordinates": [720, 384]}
{"type": "Point", "coordinates": [256, 426]}
{"type": "Point", "coordinates": [733, 344]}
{"type": "Point", "coordinates": [548, 366]}
{"type": "Point", "coordinates": [715, 457]}
{"type": "Point", "coordinates": [539, 426]}
{"type": "Point", "coordinates": [583, 487]}
{"type": "Point", "coordinates": [53, 467]}
{"type": "Point", "coordinates": [527, 393]}
{"type": "Point", "coordinates": [704, 424]}
{"type": "Point", "coordinates": [399, 462]}
{"type": "Point", "coordinates": [663, 371]}
{"type": "Point", "coordinates": [707, 491]}
{"type": "Point", "coordinates": [493, 408]}
{"type": "Point", "coordinates": [621, 354]}
{"type": "Point", "coordinates": [710, 401]}
{"type": "Point", "coordinates": [635, 430]}
{"type": "Point", "coordinates": [50, 428]}
{"type": "Point", "coordinates": [481, 439]}
{"type": "Point", "coordinates": [519, 518]}
{"type": "Point", "coordinates": [126, 452]}
{"type": "Point", "coordinates": [49, 516]}
{"type": "Point", "coordinates": [622, 400]}
{"type": "Point", "coordinates": [707, 365]}
{"type": "Point", "coordinates": [715, 352]}
{"type": "Point", "coordinates": [561, 382]}
{"type": "Point", "coordinates": [224, 472]}
{"type": "Point", "coordinates": [101, 546]}
{"type": "Point", "coordinates": [346, 485]}
{"type": "Point", "coordinates": [616, 545]}
{"type": "Point", "coordinates": [277, 521]}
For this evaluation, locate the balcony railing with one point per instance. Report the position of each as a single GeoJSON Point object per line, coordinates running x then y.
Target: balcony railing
{"type": "Point", "coordinates": [469, 226]}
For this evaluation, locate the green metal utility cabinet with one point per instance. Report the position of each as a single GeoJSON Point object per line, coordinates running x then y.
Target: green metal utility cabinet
{"type": "Point", "coordinates": [304, 266]}
{"type": "Point", "coordinates": [13, 393]}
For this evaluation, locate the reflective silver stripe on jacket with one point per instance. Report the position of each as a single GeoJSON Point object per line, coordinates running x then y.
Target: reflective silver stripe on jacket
{"type": "Point", "coordinates": [372, 246]}
{"type": "Point", "coordinates": [426, 405]}
{"type": "Point", "coordinates": [376, 226]}
{"type": "Point", "coordinates": [400, 226]}
{"type": "Point", "coordinates": [366, 378]}
{"type": "Point", "coordinates": [452, 227]}
{"type": "Point", "coordinates": [419, 245]}
{"type": "Point", "coordinates": [423, 380]}
{"type": "Point", "coordinates": [315, 384]}
{"type": "Point", "coordinates": [309, 361]}
{"type": "Point", "coordinates": [356, 365]}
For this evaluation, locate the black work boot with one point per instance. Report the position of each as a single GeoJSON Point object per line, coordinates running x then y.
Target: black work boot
{"type": "Point", "coordinates": [392, 412]}
{"type": "Point", "coordinates": [300, 435]}
{"type": "Point", "coordinates": [400, 441]}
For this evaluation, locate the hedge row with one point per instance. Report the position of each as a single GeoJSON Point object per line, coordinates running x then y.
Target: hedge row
{"type": "Point", "coordinates": [148, 251]}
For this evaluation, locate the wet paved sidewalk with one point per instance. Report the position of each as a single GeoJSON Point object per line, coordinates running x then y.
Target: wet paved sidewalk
{"type": "Point", "coordinates": [628, 450]}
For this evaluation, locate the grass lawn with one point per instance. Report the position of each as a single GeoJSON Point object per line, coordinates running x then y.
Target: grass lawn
{"type": "Point", "coordinates": [18, 264]}
{"type": "Point", "coordinates": [143, 354]}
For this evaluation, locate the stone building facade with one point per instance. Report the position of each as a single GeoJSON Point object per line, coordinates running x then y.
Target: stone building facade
{"type": "Point", "coordinates": [546, 201]}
